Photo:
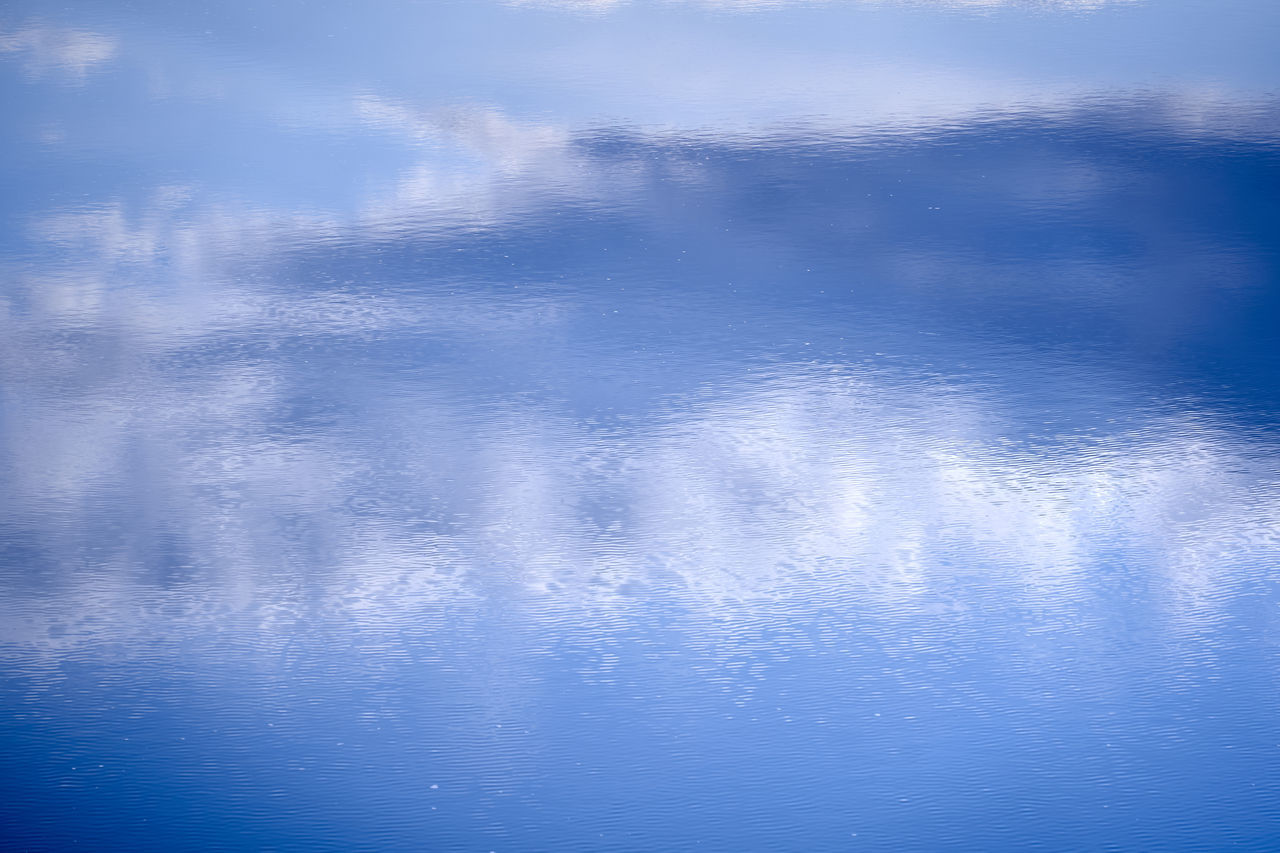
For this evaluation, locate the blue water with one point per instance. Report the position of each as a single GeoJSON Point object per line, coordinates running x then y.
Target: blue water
{"type": "Point", "coordinates": [633, 426]}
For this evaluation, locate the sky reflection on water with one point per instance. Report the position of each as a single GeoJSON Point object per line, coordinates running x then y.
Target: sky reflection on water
{"type": "Point", "coordinates": [612, 426]}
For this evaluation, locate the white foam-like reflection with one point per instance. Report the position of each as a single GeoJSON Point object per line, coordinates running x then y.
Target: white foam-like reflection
{"type": "Point", "coordinates": [71, 54]}
{"type": "Point", "coordinates": [806, 490]}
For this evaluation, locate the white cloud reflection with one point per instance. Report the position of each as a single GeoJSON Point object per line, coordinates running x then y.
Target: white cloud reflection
{"type": "Point", "coordinates": [805, 489]}
{"type": "Point", "coordinates": [481, 167]}
{"type": "Point", "coordinates": [71, 53]}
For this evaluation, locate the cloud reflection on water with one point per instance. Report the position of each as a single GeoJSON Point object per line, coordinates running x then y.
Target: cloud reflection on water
{"type": "Point", "coordinates": [171, 491]}
{"type": "Point", "coordinates": [228, 404]}
{"type": "Point", "coordinates": [43, 50]}
{"type": "Point", "coordinates": [484, 425]}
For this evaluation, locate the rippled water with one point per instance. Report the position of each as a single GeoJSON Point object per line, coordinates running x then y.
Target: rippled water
{"type": "Point", "coordinates": [640, 426]}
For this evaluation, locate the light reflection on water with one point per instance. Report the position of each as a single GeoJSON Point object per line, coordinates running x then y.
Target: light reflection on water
{"type": "Point", "coordinates": [640, 427]}
{"type": "Point", "coordinates": [805, 488]}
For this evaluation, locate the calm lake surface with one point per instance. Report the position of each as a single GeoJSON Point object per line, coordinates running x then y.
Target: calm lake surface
{"type": "Point", "coordinates": [640, 426]}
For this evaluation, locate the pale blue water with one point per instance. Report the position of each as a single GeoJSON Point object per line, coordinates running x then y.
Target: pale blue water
{"type": "Point", "coordinates": [640, 426]}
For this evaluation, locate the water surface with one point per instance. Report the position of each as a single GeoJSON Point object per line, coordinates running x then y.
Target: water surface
{"type": "Point", "coordinates": [640, 426]}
